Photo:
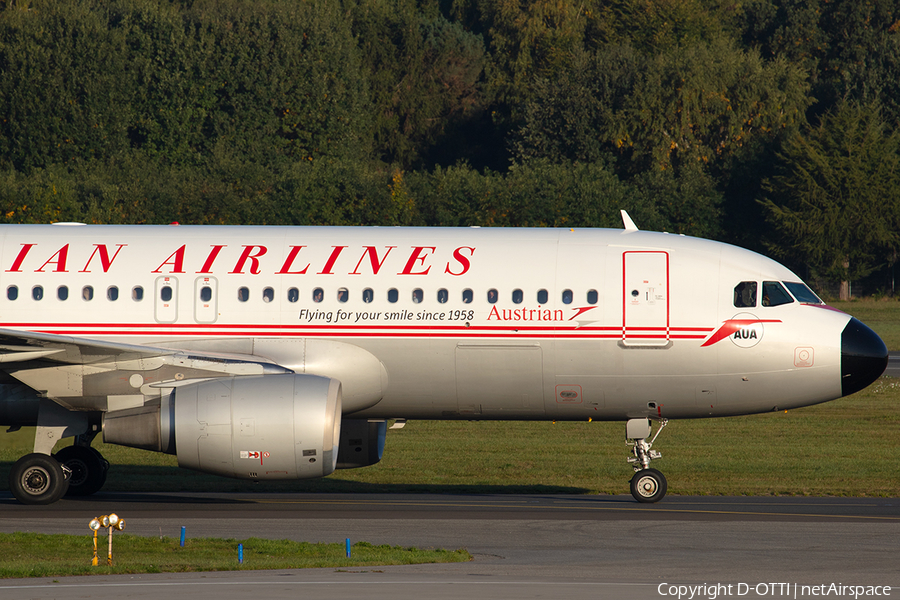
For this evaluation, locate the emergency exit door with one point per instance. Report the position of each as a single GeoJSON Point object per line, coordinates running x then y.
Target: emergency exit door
{"type": "Point", "coordinates": [645, 312]}
{"type": "Point", "coordinates": [166, 300]}
{"type": "Point", "coordinates": [206, 300]}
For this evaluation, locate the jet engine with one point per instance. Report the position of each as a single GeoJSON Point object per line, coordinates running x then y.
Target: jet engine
{"type": "Point", "coordinates": [362, 442]}
{"type": "Point", "coordinates": [282, 426]}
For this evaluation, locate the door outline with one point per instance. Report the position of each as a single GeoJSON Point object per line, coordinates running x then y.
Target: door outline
{"type": "Point", "coordinates": [206, 311]}
{"type": "Point", "coordinates": [645, 322]}
{"type": "Point", "coordinates": [166, 311]}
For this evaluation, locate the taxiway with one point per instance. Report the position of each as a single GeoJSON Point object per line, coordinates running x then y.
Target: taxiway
{"type": "Point", "coordinates": [524, 546]}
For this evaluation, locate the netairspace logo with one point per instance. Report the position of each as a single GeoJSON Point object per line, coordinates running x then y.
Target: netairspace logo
{"type": "Point", "coordinates": [787, 590]}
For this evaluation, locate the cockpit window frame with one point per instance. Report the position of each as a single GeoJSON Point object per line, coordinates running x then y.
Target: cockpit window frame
{"type": "Point", "coordinates": [802, 292]}
{"type": "Point", "coordinates": [745, 294]}
{"type": "Point", "coordinates": [775, 294]}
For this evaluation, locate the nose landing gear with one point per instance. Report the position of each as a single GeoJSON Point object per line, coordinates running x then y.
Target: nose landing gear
{"type": "Point", "coordinates": [647, 485]}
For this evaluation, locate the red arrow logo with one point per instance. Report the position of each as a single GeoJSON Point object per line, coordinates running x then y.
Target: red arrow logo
{"type": "Point", "coordinates": [732, 325]}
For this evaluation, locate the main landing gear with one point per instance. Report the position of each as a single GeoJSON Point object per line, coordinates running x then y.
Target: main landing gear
{"type": "Point", "coordinates": [77, 470]}
{"type": "Point", "coordinates": [647, 485]}
{"type": "Point", "coordinates": [87, 466]}
{"type": "Point", "coordinates": [38, 479]}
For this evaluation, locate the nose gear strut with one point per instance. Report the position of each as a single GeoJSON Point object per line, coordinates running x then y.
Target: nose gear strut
{"type": "Point", "coordinates": [647, 485]}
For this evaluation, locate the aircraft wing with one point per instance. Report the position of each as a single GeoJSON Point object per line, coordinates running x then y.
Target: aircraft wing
{"type": "Point", "coordinates": [89, 374]}
{"type": "Point", "coordinates": [24, 346]}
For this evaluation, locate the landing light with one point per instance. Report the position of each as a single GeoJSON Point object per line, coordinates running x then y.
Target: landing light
{"type": "Point", "coordinates": [111, 521]}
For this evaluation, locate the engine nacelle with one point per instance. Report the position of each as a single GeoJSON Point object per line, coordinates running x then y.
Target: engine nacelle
{"type": "Point", "coordinates": [362, 442]}
{"type": "Point", "coordinates": [270, 427]}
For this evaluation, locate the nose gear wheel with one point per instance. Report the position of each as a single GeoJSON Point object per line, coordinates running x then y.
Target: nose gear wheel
{"type": "Point", "coordinates": [647, 485]}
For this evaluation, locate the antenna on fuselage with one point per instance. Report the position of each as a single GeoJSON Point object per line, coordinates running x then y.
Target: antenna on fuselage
{"type": "Point", "coordinates": [628, 223]}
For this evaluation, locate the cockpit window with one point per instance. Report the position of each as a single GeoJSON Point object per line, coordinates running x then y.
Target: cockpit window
{"type": "Point", "coordinates": [774, 294]}
{"type": "Point", "coordinates": [745, 294]}
{"type": "Point", "coordinates": [802, 293]}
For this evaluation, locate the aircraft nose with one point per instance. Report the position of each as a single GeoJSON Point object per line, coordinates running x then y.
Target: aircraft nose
{"type": "Point", "coordinates": [864, 357]}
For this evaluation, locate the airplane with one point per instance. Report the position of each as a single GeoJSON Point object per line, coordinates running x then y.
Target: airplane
{"type": "Point", "coordinates": [267, 353]}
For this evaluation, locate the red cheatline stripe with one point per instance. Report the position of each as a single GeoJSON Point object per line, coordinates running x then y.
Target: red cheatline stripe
{"type": "Point", "coordinates": [359, 334]}
{"type": "Point", "coordinates": [301, 327]}
{"type": "Point", "coordinates": [358, 331]}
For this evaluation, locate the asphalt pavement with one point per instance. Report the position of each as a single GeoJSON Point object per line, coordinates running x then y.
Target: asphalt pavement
{"type": "Point", "coordinates": [523, 546]}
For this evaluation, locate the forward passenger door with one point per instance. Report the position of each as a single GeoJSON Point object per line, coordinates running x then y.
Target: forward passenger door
{"type": "Point", "coordinates": [645, 298]}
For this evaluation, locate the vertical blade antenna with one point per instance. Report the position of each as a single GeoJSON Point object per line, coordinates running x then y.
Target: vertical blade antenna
{"type": "Point", "coordinates": [628, 223]}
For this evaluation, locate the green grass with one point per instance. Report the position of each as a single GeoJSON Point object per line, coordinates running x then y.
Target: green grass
{"type": "Point", "coordinates": [39, 555]}
{"type": "Point", "coordinates": [847, 447]}
{"type": "Point", "coordinates": [882, 315]}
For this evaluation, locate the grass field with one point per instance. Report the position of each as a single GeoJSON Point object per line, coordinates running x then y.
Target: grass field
{"type": "Point", "coordinates": [883, 316]}
{"type": "Point", "coordinates": [845, 447]}
{"type": "Point", "coordinates": [39, 555]}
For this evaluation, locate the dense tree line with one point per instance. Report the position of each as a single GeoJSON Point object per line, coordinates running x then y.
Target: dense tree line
{"type": "Point", "coordinates": [768, 123]}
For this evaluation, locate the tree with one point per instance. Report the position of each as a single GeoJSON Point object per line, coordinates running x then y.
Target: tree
{"type": "Point", "coordinates": [691, 107]}
{"type": "Point", "coordinates": [849, 48]}
{"type": "Point", "coordinates": [836, 196]}
{"type": "Point", "coordinates": [425, 76]}
{"type": "Point", "coordinates": [271, 80]}
{"type": "Point", "coordinates": [660, 25]}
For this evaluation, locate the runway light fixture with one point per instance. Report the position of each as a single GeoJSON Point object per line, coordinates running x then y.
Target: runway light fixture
{"type": "Point", "coordinates": [111, 521]}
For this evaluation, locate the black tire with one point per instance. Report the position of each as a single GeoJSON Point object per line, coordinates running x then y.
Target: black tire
{"type": "Point", "coordinates": [648, 485]}
{"type": "Point", "coordinates": [37, 479]}
{"type": "Point", "coordinates": [88, 469]}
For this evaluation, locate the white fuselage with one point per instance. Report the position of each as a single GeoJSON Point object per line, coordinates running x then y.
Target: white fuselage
{"type": "Point", "coordinates": [601, 324]}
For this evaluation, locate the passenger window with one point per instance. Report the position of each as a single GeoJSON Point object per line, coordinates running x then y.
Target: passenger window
{"type": "Point", "coordinates": [12, 292]}
{"type": "Point", "coordinates": [318, 295]}
{"type": "Point", "coordinates": [592, 297]}
{"type": "Point", "coordinates": [774, 294]}
{"type": "Point", "coordinates": [87, 293]}
{"type": "Point", "coordinates": [393, 295]}
{"type": "Point", "coordinates": [467, 296]}
{"type": "Point", "coordinates": [268, 294]}
{"type": "Point", "coordinates": [112, 293]}
{"type": "Point", "coordinates": [567, 296]}
{"type": "Point", "coordinates": [205, 293]}
{"type": "Point", "coordinates": [343, 294]}
{"type": "Point", "coordinates": [293, 294]}
{"type": "Point", "coordinates": [37, 292]}
{"type": "Point", "coordinates": [368, 295]}
{"type": "Point", "coordinates": [62, 292]}
{"type": "Point", "coordinates": [417, 296]}
{"type": "Point", "coordinates": [517, 296]}
{"type": "Point", "coordinates": [745, 294]}
{"type": "Point", "coordinates": [542, 296]}
{"type": "Point", "coordinates": [492, 296]}
{"type": "Point", "coordinates": [137, 293]}
{"type": "Point", "coordinates": [243, 294]}
{"type": "Point", "coordinates": [443, 296]}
